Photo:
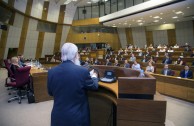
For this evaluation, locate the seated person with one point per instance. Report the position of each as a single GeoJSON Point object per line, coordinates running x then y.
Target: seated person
{"type": "Point", "coordinates": [170, 50]}
{"type": "Point", "coordinates": [187, 47]}
{"type": "Point", "coordinates": [147, 53]}
{"type": "Point", "coordinates": [180, 61]}
{"type": "Point", "coordinates": [138, 50]}
{"type": "Point", "coordinates": [166, 71]}
{"type": "Point", "coordinates": [150, 68]}
{"type": "Point", "coordinates": [162, 50]}
{"type": "Point", "coordinates": [152, 60]}
{"type": "Point", "coordinates": [192, 54]}
{"type": "Point", "coordinates": [159, 46]}
{"type": "Point", "coordinates": [136, 66]}
{"type": "Point", "coordinates": [108, 63]}
{"type": "Point", "coordinates": [186, 73]}
{"type": "Point", "coordinates": [126, 64]}
{"type": "Point", "coordinates": [167, 60]}
{"type": "Point", "coordinates": [14, 64]}
{"type": "Point", "coordinates": [21, 61]}
{"type": "Point", "coordinates": [87, 61]}
{"type": "Point", "coordinates": [122, 58]}
{"type": "Point", "coordinates": [176, 46]}
{"type": "Point", "coordinates": [157, 54]}
{"type": "Point", "coordinates": [96, 62]}
{"type": "Point", "coordinates": [116, 63]}
{"type": "Point", "coordinates": [150, 46]}
{"type": "Point", "coordinates": [132, 58]}
{"type": "Point", "coordinates": [126, 52]}
{"type": "Point", "coordinates": [140, 53]}
{"type": "Point", "coordinates": [144, 59]}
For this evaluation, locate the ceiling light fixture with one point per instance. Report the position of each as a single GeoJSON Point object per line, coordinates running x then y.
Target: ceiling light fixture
{"type": "Point", "coordinates": [179, 12]}
{"type": "Point", "coordinates": [174, 17]}
{"type": "Point", "coordinates": [139, 20]}
{"type": "Point", "coordinates": [156, 17]}
{"type": "Point", "coordinates": [156, 20]}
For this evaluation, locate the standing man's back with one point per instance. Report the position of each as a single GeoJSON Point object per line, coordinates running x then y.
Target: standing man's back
{"type": "Point", "coordinates": [68, 84]}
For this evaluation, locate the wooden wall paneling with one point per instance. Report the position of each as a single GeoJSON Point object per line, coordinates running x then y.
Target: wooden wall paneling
{"type": "Point", "coordinates": [25, 27]}
{"type": "Point", "coordinates": [11, 3]}
{"type": "Point", "coordinates": [39, 45]}
{"type": "Point", "coordinates": [112, 39]}
{"type": "Point", "coordinates": [3, 42]}
{"type": "Point", "coordinates": [91, 21]}
{"type": "Point", "coordinates": [193, 28]}
{"type": "Point", "coordinates": [129, 35]}
{"type": "Point", "coordinates": [171, 37]}
{"type": "Point", "coordinates": [45, 10]}
{"type": "Point", "coordinates": [59, 29]}
{"type": "Point", "coordinates": [29, 7]}
{"type": "Point", "coordinates": [149, 38]}
{"type": "Point", "coordinates": [23, 35]}
{"type": "Point", "coordinates": [11, 20]}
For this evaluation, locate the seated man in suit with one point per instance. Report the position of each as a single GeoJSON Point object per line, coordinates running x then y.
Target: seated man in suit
{"type": "Point", "coordinates": [68, 84]}
{"type": "Point", "coordinates": [167, 60]}
{"type": "Point", "coordinates": [166, 71]}
{"type": "Point", "coordinates": [186, 73]}
{"type": "Point", "coordinates": [126, 64]}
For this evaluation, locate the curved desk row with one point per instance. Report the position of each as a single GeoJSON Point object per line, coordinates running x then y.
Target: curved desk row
{"type": "Point", "coordinates": [176, 87]}
{"type": "Point", "coordinates": [108, 107]}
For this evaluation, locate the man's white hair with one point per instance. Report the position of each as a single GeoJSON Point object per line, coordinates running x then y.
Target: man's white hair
{"type": "Point", "coordinates": [69, 52]}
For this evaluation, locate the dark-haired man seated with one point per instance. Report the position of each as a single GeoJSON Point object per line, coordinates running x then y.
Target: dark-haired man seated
{"type": "Point", "coordinates": [166, 71]}
{"type": "Point", "coordinates": [186, 73]}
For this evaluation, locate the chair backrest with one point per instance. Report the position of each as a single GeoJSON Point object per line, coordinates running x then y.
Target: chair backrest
{"type": "Point", "coordinates": [22, 76]}
{"type": "Point", "coordinates": [7, 66]}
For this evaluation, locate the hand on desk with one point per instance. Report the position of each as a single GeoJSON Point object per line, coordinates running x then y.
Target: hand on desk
{"type": "Point", "coordinates": [93, 74]}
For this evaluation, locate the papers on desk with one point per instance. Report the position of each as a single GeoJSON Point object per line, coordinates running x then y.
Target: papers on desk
{"type": "Point", "coordinates": [178, 77]}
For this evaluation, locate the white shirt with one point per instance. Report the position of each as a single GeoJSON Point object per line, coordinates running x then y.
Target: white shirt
{"type": "Point", "coordinates": [136, 67]}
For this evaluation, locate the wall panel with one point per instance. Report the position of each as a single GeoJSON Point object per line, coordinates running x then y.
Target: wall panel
{"type": "Point", "coordinates": [139, 36]}
{"type": "Point", "coordinates": [184, 33]}
{"type": "Point", "coordinates": [20, 5]}
{"type": "Point", "coordinates": [129, 35]}
{"type": "Point", "coordinates": [122, 37]}
{"type": "Point", "coordinates": [31, 40]}
{"type": "Point", "coordinates": [160, 37]}
{"type": "Point", "coordinates": [65, 32]}
{"type": "Point", "coordinates": [171, 37]}
{"type": "Point", "coordinates": [53, 11]}
{"type": "Point", "coordinates": [149, 38]}
{"type": "Point", "coordinates": [37, 8]}
{"type": "Point", "coordinates": [48, 44]}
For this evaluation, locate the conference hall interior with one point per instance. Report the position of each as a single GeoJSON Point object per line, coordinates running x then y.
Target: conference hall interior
{"type": "Point", "coordinates": [146, 45]}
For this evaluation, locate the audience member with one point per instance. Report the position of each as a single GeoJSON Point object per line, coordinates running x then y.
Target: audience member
{"type": "Point", "coordinates": [192, 54]}
{"type": "Point", "coordinates": [170, 50]}
{"type": "Point", "coordinates": [157, 54]}
{"type": "Point", "coordinates": [132, 58]}
{"type": "Point", "coordinates": [167, 60]}
{"type": "Point", "coordinates": [136, 66]}
{"type": "Point", "coordinates": [96, 62]}
{"type": "Point", "coordinates": [180, 61]}
{"type": "Point", "coordinates": [150, 68]}
{"type": "Point", "coordinates": [166, 71]}
{"type": "Point", "coordinates": [176, 46]}
{"type": "Point", "coordinates": [116, 63]}
{"type": "Point", "coordinates": [140, 53]}
{"type": "Point", "coordinates": [126, 64]}
{"type": "Point", "coordinates": [21, 61]}
{"type": "Point", "coordinates": [108, 63]}
{"type": "Point", "coordinates": [186, 73]}
{"type": "Point", "coordinates": [144, 59]}
{"type": "Point", "coordinates": [14, 64]}
{"type": "Point", "coordinates": [152, 59]}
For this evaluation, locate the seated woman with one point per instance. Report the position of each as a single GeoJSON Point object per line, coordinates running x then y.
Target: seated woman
{"type": "Point", "coordinates": [152, 59]}
{"type": "Point", "coordinates": [170, 50]}
{"type": "Point", "coordinates": [116, 63]}
{"type": "Point", "coordinates": [144, 59]}
{"type": "Point", "coordinates": [126, 64]}
{"type": "Point", "coordinates": [14, 64]}
{"type": "Point", "coordinates": [180, 61]}
{"type": "Point", "coordinates": [150, 68]}
{"type": "Point", "coordinates": [157, 54]}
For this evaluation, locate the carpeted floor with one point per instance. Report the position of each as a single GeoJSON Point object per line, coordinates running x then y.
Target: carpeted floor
{"type": "Point", "coordinates": [179, 113]}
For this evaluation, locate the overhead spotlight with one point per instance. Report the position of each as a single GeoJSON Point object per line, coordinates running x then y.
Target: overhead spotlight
{"type": "Point", "coordinates": [178, 12]}
{"type": "Point", "coordinates": [156, 20]}
{"type": "Point", "coordinates": [156, 17]}
{"type": "Point", "coordinates": [175, 17]}
{"type": "Point", "coordinates": [139, 20]}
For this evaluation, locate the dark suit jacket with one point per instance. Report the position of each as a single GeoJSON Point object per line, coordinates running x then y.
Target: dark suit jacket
{"type": "Point", "coordinates": [189, 75]}
{"type": "Point", "coordinates": [169, 72]}
{"type": "Point", "coordinates": [168, 62]}
{"type": "Point", "coordinates": [68, 84]}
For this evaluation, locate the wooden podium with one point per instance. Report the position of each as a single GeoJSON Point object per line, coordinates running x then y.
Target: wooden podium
{"type": "Point", "coordinates": [131, 101]}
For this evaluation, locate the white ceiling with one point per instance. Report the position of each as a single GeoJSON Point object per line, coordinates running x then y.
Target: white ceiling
{"type": "Point", "coordinates": [165, 16]}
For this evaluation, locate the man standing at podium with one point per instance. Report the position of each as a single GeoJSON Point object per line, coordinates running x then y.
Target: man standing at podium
{"type": "Point", "coordinates": [68, 84]}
